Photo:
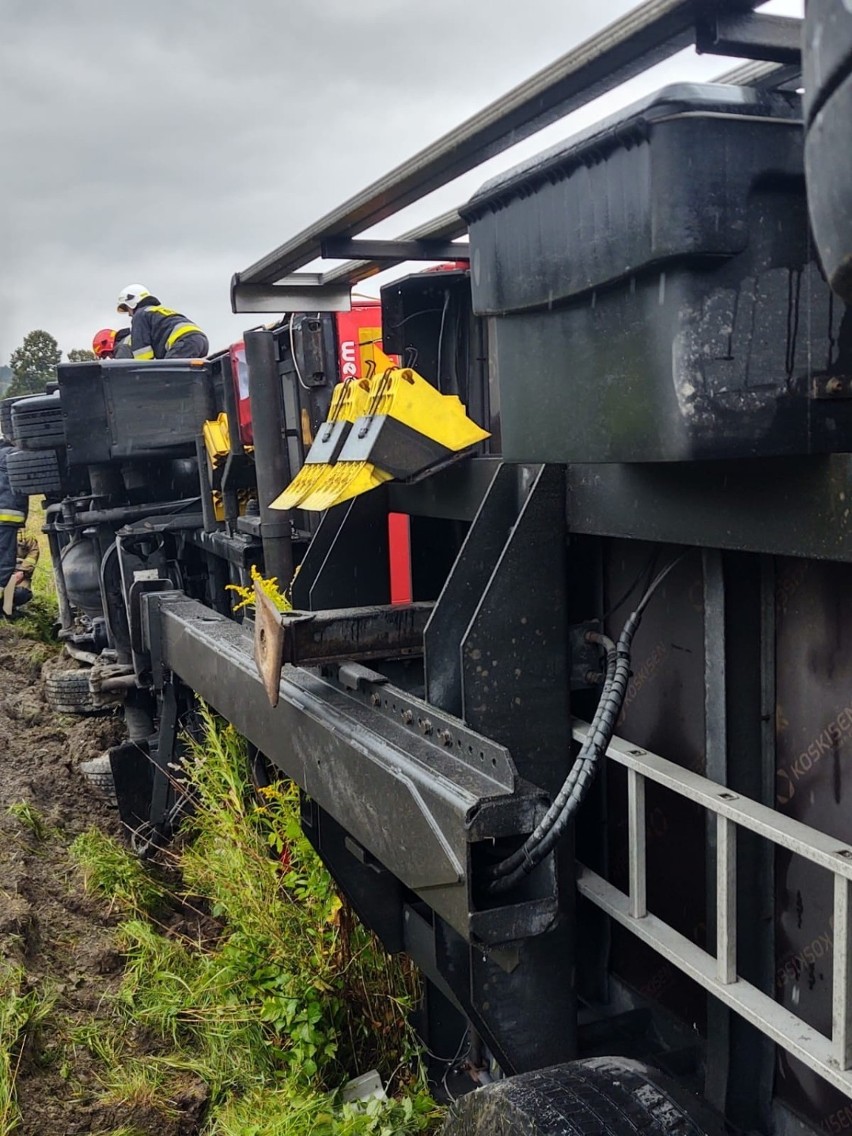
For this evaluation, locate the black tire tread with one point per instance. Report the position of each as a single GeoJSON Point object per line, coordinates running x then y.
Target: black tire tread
{"type": "Point", "coordinates": [38, 429]}
{"type": "Point", "coordinates": [6, 417]}
{"type": "Point", "coordinates": [32, 473]}
{"type": "Point", "coordinates": [599, 1097]}
{"type": "Point", "coordinates": [67, 692]}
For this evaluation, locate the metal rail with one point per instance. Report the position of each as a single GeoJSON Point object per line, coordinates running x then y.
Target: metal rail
{"type": "Point", "coordinates": [830, 1057]}
{"type": "Point", "coordinates": [649, 34]}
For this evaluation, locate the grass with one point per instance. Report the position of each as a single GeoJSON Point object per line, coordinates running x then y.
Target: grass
{"type": "Point", "coordinates": [249, 988]}
{"type": "Point", "coordinates": [38, 619]}
{"type": "Point", "coordinates": [21, 1013]}
{"type": "Point", "coordinates": [108, 871]}
{"type": "Point", "coordinates": [30, 818]}
{"type": "Point", "coordinates": [282, 1002]}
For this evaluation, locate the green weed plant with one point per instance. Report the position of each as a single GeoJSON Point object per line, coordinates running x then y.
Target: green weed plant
{"type": "Point", "coordinates": [289, 998]}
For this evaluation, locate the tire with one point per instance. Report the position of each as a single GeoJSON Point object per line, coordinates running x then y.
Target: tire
{"type": "Point", "coordinates": [37, 423]}
{"type": "Point", "coordinates": [32, 473]}
{"type": "Point", "coordinates": [67, 692]}
{"type": "Point", "coordinates": [827, 58]}
{"type": "Point", "coordinates": [604, 1095]}
{"type": "Point", "coordinates": [6, 418]}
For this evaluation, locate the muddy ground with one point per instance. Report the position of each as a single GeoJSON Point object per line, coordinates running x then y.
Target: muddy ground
{"type": "Point", "coordinates": [48, 926]}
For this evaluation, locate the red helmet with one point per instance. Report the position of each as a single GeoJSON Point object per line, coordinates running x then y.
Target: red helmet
{"type": "Point", "coordinates": [103, 344]}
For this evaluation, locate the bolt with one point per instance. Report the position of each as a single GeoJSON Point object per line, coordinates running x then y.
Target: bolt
{"type": "Point", "coordinates": [425, 726]}
{"type": "Point", "coordinates": [445, 737]}
{"type": "Point", "coordinates": [408, 717]}
{"type": "Point", "coordinates": [834, 386]}
{"type": "Point", "coordinates": [375, 700]}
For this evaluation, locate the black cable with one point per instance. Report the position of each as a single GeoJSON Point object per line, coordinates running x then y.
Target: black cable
{"type": "Point", "coordinates": [438, 383]}
{"type": "Point", "coordinates": [645, 573]}
{"type": "Point", "coordinates": [575, 788]}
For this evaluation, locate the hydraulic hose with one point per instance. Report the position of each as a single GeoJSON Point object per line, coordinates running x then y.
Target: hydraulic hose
{"type": "Point", "coordinates": [575, 788]}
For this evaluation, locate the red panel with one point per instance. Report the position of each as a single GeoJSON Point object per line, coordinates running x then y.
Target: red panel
{"type": "Point", "coordinates": [239, 370]}
{"type": "Point", "coordinates": [399, 538]}
{"type": "Point", "coordinates": [348, 326]}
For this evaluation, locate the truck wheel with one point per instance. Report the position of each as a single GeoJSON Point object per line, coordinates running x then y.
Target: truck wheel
{"type": "Point", "coordinates": [6, 418]}
{"type": "Point", "coordinates": [37, 423]}
{"type": "Point", "coordinates": [827, 57]}
{"type": "Point", "coordinates": [34, 473]}
{"type": "Point", "coordinates": [601, 1096]}
{"type": "Point", "coordinates": [67, 692]}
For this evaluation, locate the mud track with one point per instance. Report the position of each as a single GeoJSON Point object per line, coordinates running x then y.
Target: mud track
{"type": "Point", "coordinates": [60, 937]}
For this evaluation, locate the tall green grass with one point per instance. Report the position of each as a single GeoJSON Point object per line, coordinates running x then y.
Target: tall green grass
{"type": "Point", "coordinates": [282, 999]}
{"type": "Point", "coordinates": [21, 1013]}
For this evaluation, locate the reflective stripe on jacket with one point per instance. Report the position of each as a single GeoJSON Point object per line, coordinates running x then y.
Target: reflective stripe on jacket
{"type": "Point", "coordinates": [155, 329]}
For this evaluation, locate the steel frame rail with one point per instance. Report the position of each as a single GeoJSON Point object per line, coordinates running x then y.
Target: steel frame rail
{"type": "Point", "coordinates": [830, 1057]}
{"type": "Point", "coordinates": [649, 34]}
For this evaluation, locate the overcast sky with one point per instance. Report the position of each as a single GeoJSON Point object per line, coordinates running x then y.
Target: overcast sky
{"type": "Point", "coordinates": [173, 142]}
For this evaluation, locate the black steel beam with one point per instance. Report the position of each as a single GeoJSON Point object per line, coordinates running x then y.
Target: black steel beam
{"type": "Point", "coordinates": [652, 32]}
{"type": "Point", "coordinates": [334, 248]}
{"type": "Point", "coordinates": [783, 506]}
{"type": "Point", "coordinates": [448, 227]}
{"type": "Point", "coordinates": [752, 35]}
{"type": "Point", "coordinates": [272, 462]}
{"type": "Point", "coordinates": [414, 787]}
{"type": "Point", "coordinates": [359, 633]}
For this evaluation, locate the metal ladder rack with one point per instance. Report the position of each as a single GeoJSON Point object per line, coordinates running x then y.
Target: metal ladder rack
{"type": "Point", "coordinates": [830, 1057]}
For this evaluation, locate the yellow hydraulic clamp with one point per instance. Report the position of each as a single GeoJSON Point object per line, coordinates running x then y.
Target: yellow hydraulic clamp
{"type": "Point", "coordinates": [395, 425]}
{"type": "Point", "coordinates": [217, 443]}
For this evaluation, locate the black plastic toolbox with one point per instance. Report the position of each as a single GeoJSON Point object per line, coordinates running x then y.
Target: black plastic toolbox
{"type": "Point", "coordinates": [656, 293]}
{"type": "Point", "coordinates": [121, 410]}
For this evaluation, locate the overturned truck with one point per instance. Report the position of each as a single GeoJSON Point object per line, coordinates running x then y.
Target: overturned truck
{"type": "Point", "coordinates": [567, 695]}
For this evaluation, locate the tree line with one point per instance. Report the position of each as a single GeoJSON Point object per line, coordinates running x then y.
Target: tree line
{"type": "Point", "coordinates": [33, 364]}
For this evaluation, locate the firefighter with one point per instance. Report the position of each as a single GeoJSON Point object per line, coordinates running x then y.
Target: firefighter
{"type": "Point", "coordinates": [18, 590]}
{"type": "Point", "coordinates": [157, 332]}
{"type": "Point", "coordinates": [111, 344]}
{"type": "Point", "coordinates": [13, 514]}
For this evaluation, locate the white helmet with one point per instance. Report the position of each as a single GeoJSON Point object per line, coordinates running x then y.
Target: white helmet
{"type": "Point", "coordinates": [130, 295]}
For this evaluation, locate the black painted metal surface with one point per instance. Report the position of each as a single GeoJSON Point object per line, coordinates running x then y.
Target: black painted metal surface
{"type": "Point", "coordinates": [789, 507]}
{"type": "Point", "coordinates": [417, 799]}
{"type": "Point", "coordinates": [337, 635]}
{"type": "Point", "coordinates": [656, 277]}
{"type": "Point", "coordinates": [272, 459]}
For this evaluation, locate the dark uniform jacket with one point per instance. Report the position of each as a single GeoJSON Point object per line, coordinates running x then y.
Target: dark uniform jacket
{"type": "Point", "coordinates": [122, 349]}
{"type": "Point", "coordinates": [13, 506]}
{"type": "Point", "coordinates": [156, 329]}
{"type": "Point", "coordinates": [13, 513]}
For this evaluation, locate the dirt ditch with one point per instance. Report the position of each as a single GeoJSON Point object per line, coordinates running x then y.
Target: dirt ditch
{"type": "Point", "coordinates": [58, 936]}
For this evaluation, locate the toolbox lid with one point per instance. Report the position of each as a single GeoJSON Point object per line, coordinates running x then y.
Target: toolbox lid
{"type": "Point", "coordinates": [667, 177]}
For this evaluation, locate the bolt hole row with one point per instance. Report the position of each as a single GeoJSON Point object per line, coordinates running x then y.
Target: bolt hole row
{"type": "Point", "coordinates": [459, 743]}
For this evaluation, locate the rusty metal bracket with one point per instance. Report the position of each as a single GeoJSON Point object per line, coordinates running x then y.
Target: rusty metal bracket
{"type": "Point", "coordinates": [341, 635]}
{"type": "Point", "coordinates": [831, 386]}
{"type": "Point", "coordinates": [268, 643]}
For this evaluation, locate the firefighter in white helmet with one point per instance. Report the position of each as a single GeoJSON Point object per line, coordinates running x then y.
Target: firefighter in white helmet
{"type": "Point", "coordinates": [157, 332]}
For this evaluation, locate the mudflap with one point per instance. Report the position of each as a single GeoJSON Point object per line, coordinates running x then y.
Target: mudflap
{"type": "Point", "coordinates": [133, 774]}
